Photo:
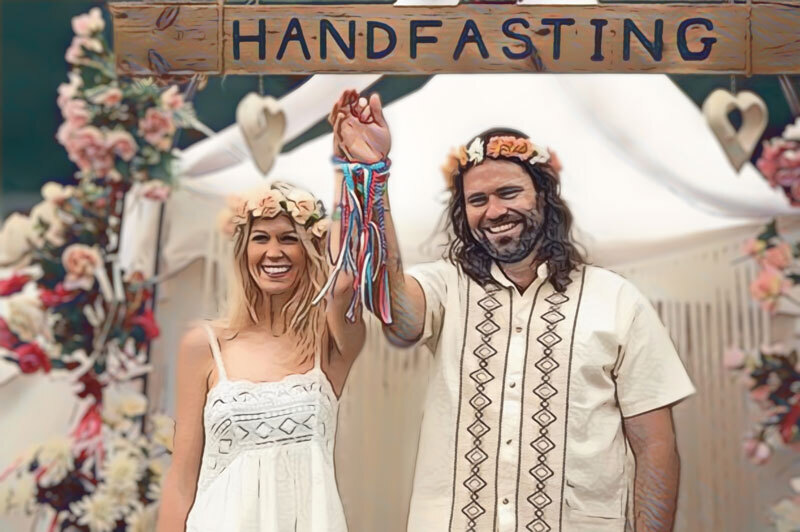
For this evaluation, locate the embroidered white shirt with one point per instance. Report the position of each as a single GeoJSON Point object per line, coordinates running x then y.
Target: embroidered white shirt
{"type": "Point", "coordinates": [522, 427]}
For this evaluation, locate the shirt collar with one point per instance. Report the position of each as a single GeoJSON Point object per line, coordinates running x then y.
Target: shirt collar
{"type": "Point", "coordinates": [542, 273]}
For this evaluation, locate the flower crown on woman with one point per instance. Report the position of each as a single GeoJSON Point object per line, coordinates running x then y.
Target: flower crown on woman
{"type": "Point", "coordinates": [270, 200]}
{"type": "Point", "coordinates": [499, 146]}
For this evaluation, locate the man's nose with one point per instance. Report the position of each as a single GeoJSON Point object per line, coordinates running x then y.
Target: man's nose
{"type": "Point", "coordinates": [495, 208]}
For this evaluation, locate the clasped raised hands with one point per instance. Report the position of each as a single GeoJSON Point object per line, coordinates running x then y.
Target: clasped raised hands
{"type": "Point", "coordinates": [360, 133]}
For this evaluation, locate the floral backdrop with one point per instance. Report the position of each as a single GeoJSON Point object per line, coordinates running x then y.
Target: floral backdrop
{"type": "Point", "coordinates": [68, 310]}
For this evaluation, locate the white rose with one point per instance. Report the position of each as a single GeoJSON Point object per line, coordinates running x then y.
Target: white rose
{"type": "Point", "coordinates": [121, 472]}
{"type": "Point", "coordinates": [118, 405]}
{"type": "Point", "coordinates": [143, 519]}
{"type": "Point", "coordinates": [163, 430]}
{"type": "Point", "coordinates": [56, 459]}
{"type": "Point", "coordinates": [25, 316]}
{"type": "Point", "coordinates": [47, 213]}
{"type": "Point", "coordinates": [475, 151]}
{"type": "Point", "coordinates": [16, 236]}
{"type": "Point", "coordinates": [792, 131]}
{"type": "Point", "coordinates": [98, 511]}
{"type": "Point", "coordinates": [23, 493]}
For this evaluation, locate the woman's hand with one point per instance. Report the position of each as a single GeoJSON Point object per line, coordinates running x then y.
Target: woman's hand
{"type": "Point", "coordinates": [360, 133]}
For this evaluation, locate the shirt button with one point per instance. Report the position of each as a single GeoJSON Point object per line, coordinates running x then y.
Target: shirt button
{"type": "Point", "coordinates": [508, 442]}
{"type": "Point", "coordinates": [505, 501]}
{"type": "Point", "coordinates": [518, 329]}
{"type": "Point", "coordinates": [512, 384]}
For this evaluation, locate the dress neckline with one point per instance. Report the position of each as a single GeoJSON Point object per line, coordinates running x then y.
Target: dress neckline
{"type": "Point", "coordinates": [283, 380]}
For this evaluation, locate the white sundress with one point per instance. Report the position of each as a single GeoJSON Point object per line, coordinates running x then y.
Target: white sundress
{"type": "Point", "coordinates": [268, 455]}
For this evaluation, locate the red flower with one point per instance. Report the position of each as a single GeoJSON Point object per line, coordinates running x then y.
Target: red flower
{"type": "Point", "coordinates": [147, 321]}
{"type": "Point", "coordinates": [91, 386]}
{"type": "Point", "coordinates": [7, 338]}
{"type": "Point", "coordinates": [31, 358]}
{"type": "Point", "coordinates": [57, 296]}
{"type": "Point", "coordinates": [787, 425]}
{"type": "Point", "coordinates": [13, 284]}
{"type": "Point", "coordinates": [90, 425]}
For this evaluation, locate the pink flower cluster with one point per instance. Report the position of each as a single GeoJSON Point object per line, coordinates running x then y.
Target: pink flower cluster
{"type": "Point", "coordinates": [780, 163]}
{"type": "Point", "coordinates": [157, 128]}
{"type": "Point", "coordinates": [93, 149]}
{"type": "Point", "coordinates": [772, 282]}
{"type": "Point", "coordinates": [769, 286]}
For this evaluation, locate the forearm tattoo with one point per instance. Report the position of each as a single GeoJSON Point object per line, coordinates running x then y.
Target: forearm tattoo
{"type": "Point", "coordinates": [656, 483]}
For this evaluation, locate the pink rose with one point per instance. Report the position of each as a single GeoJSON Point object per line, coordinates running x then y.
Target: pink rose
{"type": "Point", "coordinates": [67, 91]}
{"type": "Point", "coordinates": [753, 247]}
{"type": "Point", "coordinates": [768, 287]}
{"type": "Point", "coordinates": [76, 113]}
{"type": "Point", "coordinates": [80, 262]}
{"type": "Point", "coordinates": [761, 454]}
{"type": "Point", "coordinates": [734, 358]}
{"type": "Point", "coordinates": [760, 394]}
{"type": "Point", "coordinates": [156, 190]}
{"type": "Point", "coordinates": [780, 165]}
{"type": "Point", "coordinates": [88, 23]}
{"type": "Point", "coordinates": [76, 53]}
{"type": "Point", "coordinates": [87, 148]}
{"type": "Point", "coordinates": [779, 256]}
{"type": "Point", "coordinates": [157, 128]}
{"type": "Point", "coordinates": [321, 227]}
{"type": "Point", "coordinates": [172, 99]}
{"type": "Point", "coordinates": [108, 98]}
{"type": "Point", "coordinates": [122, 143]}
{"type": "Point", "coordinates": [756, 450]}
{"type": "Point", "coordinates": [265, 203]}
{"type": "Point", "coordinates": [301, 205]}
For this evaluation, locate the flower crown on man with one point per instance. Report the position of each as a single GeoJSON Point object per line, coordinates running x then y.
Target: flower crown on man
{"type": "Point", "coordinates": [496, 147]}
{"type": "Point", "coordinates": [270, 200]}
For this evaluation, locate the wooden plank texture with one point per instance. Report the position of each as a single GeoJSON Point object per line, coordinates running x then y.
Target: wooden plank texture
{"type": "Point", "coordinates": [166, 38]}
{"type": "Point", "coordinates": [474, 38]}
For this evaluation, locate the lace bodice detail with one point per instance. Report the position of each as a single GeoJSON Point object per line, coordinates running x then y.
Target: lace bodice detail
{"type": "Point", "coordinates": [242, 416]}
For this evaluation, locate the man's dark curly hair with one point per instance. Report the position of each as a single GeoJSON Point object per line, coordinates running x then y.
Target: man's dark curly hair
{"type": "Point", "coordinates": [554, 245]}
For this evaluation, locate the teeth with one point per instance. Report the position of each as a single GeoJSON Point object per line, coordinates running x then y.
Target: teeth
{"type": "Point", "coordinates": [275, 269]}
{"type": "Point", "coordinates": [501, 228]}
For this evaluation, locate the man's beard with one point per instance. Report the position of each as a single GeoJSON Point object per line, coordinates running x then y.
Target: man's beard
{"type": "Point", "coordinates": [515, 249]}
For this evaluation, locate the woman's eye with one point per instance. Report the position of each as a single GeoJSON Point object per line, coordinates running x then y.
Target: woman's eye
{"type": "Point", "coordinates": [290, 239]}
{"type": "Point", "coordinates": [260, 238]}
{"type": "Point", "coordinates": [509, 195]}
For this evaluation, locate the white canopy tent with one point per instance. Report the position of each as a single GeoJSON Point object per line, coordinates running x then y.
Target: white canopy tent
{"type": "Point", "coordinates": [652, 195]}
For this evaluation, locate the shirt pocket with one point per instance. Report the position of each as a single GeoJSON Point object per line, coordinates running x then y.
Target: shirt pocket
{"type": "Point", "coordinates": [597, 492]}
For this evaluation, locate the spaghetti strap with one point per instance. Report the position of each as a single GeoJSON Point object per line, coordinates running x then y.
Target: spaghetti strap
{"type": "Point", "coordinates": [215, 352]}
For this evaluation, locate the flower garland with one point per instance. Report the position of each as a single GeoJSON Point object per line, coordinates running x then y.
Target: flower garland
{"type": "Point", "coordinates": [68, 310]}
{"type": "Point", "coordinates": [779, 268]}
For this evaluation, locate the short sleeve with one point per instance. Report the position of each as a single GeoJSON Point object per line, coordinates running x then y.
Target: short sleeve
{"type": "Point", "coordinates": [434, 278]}
{"type": "Point", "coordinates": [650, 374]}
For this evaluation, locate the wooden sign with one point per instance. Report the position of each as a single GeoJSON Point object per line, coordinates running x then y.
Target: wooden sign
{"type": "Point", "coordinates": [191, 37]}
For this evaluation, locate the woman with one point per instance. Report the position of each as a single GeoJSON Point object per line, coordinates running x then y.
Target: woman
{"type": "Point", "coordinates": [258, 392]}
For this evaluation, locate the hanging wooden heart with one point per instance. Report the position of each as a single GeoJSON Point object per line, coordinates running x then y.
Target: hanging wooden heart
{"type": "Point", "coordinates": [737, 144]}
{"type": "Point", "coordinates": [263, 124]}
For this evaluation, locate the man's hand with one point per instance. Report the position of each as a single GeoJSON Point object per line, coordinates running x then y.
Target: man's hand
{"type": "Point", "coordinates": [360, 133]}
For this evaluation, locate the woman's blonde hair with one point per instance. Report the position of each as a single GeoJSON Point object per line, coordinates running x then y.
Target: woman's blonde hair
{"type": "Point", "coordinates": [246, 299]}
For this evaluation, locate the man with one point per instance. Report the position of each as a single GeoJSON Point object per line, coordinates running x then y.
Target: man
{"type": "Point", "coordinates": [547, 371]}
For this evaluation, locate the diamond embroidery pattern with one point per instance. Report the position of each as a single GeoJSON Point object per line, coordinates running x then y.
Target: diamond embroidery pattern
{"type": "Point", "coordinates": [543, 445]}
{"type": "Point", "coordinates": [479, 401]}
